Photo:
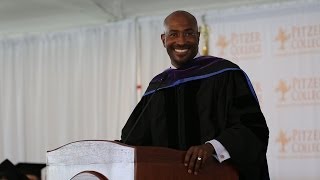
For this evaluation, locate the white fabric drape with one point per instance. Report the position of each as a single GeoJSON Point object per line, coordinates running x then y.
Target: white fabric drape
{"type": "Point", "coordinates": [153, 56]}
{"type": "Point", "coordinates": [62, 87]}
{"type": "Point", "coordinates": [82, 84]}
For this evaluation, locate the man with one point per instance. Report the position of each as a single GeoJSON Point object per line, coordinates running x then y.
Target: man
{"type": "Point", "coordinates": [205, 105]}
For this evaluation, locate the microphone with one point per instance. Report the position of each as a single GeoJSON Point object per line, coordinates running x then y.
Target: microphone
{"type": "Point", "coordinates": [165, 76]}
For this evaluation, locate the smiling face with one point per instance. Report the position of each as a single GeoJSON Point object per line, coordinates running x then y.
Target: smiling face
{"type": "Point", "coordinates": [181, 37]}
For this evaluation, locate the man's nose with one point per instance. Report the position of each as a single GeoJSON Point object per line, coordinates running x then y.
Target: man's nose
{"type": "Point", "coordinates": [181, 39]}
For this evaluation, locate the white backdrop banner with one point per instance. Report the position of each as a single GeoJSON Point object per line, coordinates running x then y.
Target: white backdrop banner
{"type": "Point", "coordinates": [279, 47]}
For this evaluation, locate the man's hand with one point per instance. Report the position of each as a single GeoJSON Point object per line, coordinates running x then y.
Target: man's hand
{"type": "Point", "coordinates": [197, 156]}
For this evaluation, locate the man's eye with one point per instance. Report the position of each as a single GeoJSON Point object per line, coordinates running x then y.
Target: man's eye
{"type": "Point", "coordinates": [187, 34]}
{"type": "Point", "coordinates": [173, 34]}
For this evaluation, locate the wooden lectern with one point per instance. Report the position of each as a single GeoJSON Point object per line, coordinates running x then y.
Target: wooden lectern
{"type": "Point", "coordinates": [99, 159]}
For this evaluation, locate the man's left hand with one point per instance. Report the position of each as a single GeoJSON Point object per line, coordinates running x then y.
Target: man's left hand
{"type": "Point", "coordinates": [197, 156]}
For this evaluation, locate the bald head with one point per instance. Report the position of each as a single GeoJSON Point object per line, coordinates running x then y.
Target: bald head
{"type": "Point", "coordinates": [181, 37]}
{"type": "Point", "coordinates": [180, 14]}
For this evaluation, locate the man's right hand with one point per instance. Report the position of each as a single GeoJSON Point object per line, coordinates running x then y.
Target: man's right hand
{"type": "Point", "coordinates": [197, 156]}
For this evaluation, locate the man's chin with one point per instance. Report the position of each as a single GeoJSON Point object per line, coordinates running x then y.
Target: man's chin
{"type": "Point", "coordinates": [181, 61]}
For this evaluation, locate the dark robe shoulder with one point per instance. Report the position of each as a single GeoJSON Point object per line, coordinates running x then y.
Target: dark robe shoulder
{"type": "Point", "coordinates": [200, 68]}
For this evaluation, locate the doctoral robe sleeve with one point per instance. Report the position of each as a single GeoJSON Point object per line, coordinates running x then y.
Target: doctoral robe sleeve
{"type": "Point", "coordinates": [246, 135]}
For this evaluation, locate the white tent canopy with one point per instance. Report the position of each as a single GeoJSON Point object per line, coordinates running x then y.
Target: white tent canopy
{"type": "Point", "coordinates": [19, 16]}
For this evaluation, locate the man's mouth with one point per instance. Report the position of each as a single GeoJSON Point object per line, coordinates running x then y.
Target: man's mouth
{"type": "Point", "coordinates": [181, 50]}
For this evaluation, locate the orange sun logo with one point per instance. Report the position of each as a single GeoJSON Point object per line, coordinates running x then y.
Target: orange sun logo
{"type": "Point", "coordinates": [222, 43]}
{"type": "Point", "coordinates": [282, 37]}
{"type": "Point", "coordinates": [282, 140]}
{"type": "Point", "coordinates": [283, 88]}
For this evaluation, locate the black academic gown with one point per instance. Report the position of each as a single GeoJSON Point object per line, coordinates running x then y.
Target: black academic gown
{"type": "Point", "coordinates": [209, 98]}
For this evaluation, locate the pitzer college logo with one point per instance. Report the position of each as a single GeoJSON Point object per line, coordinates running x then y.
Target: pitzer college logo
{"type": "Point", "coordinates": [297, 39]}
{"type": "Point", "coordinates": [298, 91]}
{"type": "Point", "coordinates": [282, 88]}
{"type": "Point", "coordinates": [282, 37]}
{"type": "Point", "coordinates": [299, 143]}
{"type": "Point", "coordinates": [239, 45]}
{"type": "Point", "coordinates": [283, 140]}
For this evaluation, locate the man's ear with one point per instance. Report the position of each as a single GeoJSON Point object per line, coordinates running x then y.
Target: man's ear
{"type": "Point", "coordinates": [163, 38]}
{"type": "Point", "coordinates": [198, 37]}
